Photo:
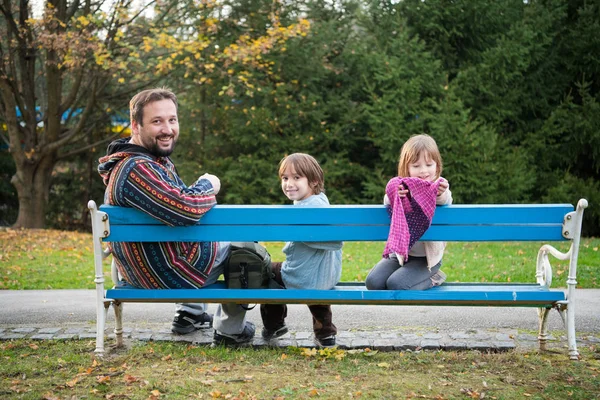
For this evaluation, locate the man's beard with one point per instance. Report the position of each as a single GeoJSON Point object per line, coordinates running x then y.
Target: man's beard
{"type": "Point", "coordinates": [157, 151]}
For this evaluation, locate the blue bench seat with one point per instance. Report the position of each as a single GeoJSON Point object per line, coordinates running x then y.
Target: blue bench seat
{"type": "Point", "coordinates": [449, 294]}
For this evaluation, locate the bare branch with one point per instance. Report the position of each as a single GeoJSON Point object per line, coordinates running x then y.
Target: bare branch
{"type": "Point", "coordinates": [87, 111]}
{"type": "Point", "coordinates": [91, 146]}
{"type": "Point", "coordinates": [72, 96]}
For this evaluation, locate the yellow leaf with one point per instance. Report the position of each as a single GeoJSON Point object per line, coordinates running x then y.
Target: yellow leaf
{"type": "Point", "coordinates": [284, 356]}
{"type": "Point", "coordinates": [383, 365]}
{"type": "Point", "coordinates": [309, 352]}
{"type": "Point", "coordinates": [71, 383]}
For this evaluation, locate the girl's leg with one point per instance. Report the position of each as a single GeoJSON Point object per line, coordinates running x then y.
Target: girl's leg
{"type": "Point", "coordinates": [377, 278]}
{"type": "Point", "coordinates": [414, 275]}
{"type": "Point", "coordinates": [273, 315]}
{"type": "Point", "coordinates": [322, 321]}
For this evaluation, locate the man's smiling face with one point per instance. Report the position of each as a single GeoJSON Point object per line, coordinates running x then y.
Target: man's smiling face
{"type": "Point", "coordinates": [160, 128]}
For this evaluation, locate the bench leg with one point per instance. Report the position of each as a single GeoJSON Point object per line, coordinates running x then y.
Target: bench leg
{"type": "Point", "coordinates": [543, 329]}
{"type": "Point", "coordinates": [573, 353]}
{"type": "Point", "coordinates": [118, 306]}
{"type": "Point", "coordinates": [101, 313]}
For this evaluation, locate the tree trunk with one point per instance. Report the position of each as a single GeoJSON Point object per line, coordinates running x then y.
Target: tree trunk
{"type": "Point", "coordinates": [33, 182]}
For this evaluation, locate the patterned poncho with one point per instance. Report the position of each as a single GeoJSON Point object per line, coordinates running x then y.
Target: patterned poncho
{"type": "Point", "coordinates": [410, 216]}
{"type": "Point", "coordinates": [135, 178]}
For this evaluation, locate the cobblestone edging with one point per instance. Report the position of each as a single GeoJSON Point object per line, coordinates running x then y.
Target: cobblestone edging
{"type": "Point", "coordinates": [377, 340]}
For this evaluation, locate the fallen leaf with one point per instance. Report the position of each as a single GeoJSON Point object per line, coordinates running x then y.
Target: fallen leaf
{"type": "Point", "coordinates": [129, 379]}
{"type": "Point", "coordinates": [72, 383]}
{"type": "Point", "coordinates": [309, 352]}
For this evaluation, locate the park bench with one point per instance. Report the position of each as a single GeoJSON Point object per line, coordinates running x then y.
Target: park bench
{"type": "Point", "coordinates": [462, 223]}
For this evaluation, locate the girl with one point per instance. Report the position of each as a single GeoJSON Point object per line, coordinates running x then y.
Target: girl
{"type": "Point", "coordinates": [408, 264]}
{"type": "Point", "coordinates": [307, 265]}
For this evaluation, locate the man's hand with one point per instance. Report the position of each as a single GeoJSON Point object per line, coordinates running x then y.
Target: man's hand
{"type": "Point", "coordinates": [442, 187]}
{"type": "Point", "coordinates": [216, 182]}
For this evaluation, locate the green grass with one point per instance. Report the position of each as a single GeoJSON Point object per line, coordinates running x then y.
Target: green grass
{"type": "Point", "coordinates": [50, 259]}
{"type": "Point", "coordinates": [66, 370]}
{"type": "Point", "coordinates": [176, 370]}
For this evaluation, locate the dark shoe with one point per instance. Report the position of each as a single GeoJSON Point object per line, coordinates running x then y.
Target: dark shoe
{"type": "Point", "coordinates": [235, 340]}
{"type": "Point", "coordinates": [185, 322]}
{"type": "Point", "coordinates": [329, 341]}
{"type": "Point", "coordinates": [268, 334]}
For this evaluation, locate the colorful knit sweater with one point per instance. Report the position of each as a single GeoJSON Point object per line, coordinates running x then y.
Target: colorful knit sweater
{"type": "Point", "coordinates": [135, 178]}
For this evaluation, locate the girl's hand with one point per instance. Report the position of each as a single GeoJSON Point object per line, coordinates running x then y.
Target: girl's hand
{"type": "Point", "coordinates": [443, 186]}
{"type": "Point", "coordinates": [402, 192]}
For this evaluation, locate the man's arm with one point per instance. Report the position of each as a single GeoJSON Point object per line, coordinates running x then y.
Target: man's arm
{"type": "Point", "coordinates": [155, 190]}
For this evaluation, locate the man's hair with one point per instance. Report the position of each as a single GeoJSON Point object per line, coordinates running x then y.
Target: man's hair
{"type": "Point", "coordinates": [139, 101]}
{"type": "Point", "coordinates": [412, 149]}
{"type": "Point", "coordinates": [305, 165]}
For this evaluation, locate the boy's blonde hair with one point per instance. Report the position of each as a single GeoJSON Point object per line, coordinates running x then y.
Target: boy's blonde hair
{"type": "Point", "coordinates": [412, 149]}
{"type": "Point", "coordinates": [305, 165]}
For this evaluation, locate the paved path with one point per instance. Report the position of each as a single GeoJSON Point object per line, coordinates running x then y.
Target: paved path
{"type": "Point", "coordinates": [70, 314]}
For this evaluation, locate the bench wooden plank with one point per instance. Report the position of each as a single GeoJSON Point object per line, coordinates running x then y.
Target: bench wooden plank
{"type": "Point", "coordinates": [308, 233]}
{"type": "Point", "coordinates": [526, 295]}
{"type": "Point", "coordinates": [460, 214]}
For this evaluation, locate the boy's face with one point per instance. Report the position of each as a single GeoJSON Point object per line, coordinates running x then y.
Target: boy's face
{"type": "Point", "coordinates": [294, 186]}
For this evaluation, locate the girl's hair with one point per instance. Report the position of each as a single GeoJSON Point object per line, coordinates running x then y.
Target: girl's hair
{"type": "Point", "coordinates": [305, 165]}
{"type": "Point", "coordinates": [412, 149]}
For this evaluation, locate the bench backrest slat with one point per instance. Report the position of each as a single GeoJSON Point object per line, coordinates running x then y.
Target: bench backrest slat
{"type": "Point", "coordinates": [347, 223]}
{"type": "Point", "coordinates": [459, 214]}
{"type": "Point", "coordinates": [306, 233]}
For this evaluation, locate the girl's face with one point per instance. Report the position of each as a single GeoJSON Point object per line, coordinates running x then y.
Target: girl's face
{"type": "Point", "coordinates": [294, 186]}
{"type": "Point", "coordinates": [423, 167]}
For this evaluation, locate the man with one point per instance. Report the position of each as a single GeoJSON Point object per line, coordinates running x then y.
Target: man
{"type": "Point", "coordinates": [138, 173]}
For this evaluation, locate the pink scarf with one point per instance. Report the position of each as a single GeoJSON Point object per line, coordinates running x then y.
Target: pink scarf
{"type": "Point", "coordinates": [410, 216]}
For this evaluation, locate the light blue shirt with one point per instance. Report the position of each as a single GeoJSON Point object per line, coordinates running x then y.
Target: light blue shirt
{"type": "Point", "coordinates": [312, 265]}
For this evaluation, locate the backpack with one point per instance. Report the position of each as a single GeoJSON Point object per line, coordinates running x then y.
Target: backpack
{"type": "Point", "coordinates": [248, 266]}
